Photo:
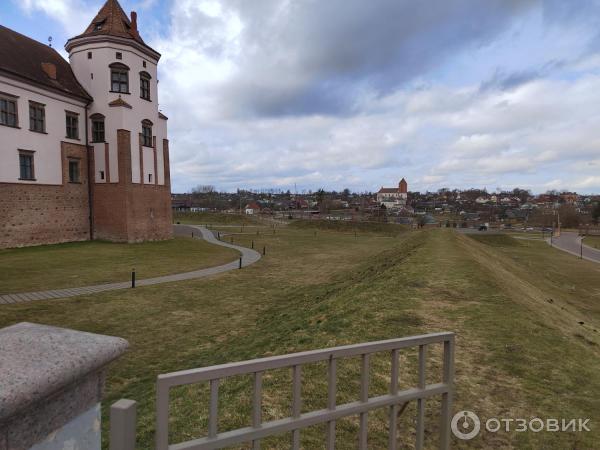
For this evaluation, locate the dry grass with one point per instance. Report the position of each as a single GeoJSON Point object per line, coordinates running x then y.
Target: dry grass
{"type": "Point", "coordinates": [518, 354]}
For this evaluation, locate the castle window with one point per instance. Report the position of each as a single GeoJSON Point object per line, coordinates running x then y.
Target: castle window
{"type": "Point", "coordinates": [72, 122]}
{"type": "Point", "coordinates": [147, 133]}
{"type": "Point", "coordinates": [145, 85]}
{"type": "Point", "coordinates": [149, 178]}
{"type": "Point", "coordinates": [26, 165]}
{"type": "Point", "coordinates": [119, 78]}
{"type": "Point", "coordinates": [8, 111]}
{"type": "Point", "coordinates": [102, 174]}
{"type": "Point", "coordinates": [97, 127]}
{"type": "Point", "coordinates": [89, 55]}
{"type": "Point", "coordinates": [144, 63]}
{"type": "Point", "coordinates": [119, 55]}
{"type": "Point", "coordinates": [37, 117]}
{"type": "Point", "coordinates": [74, 171]}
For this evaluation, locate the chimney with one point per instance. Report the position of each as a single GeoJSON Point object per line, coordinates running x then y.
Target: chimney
{"type": "Point", "coordinates": [134, 28]}
{"type": "Point", "coordinates": [50, 70]}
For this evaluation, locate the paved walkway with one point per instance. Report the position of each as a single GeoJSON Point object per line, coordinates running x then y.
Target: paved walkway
{"type": "Point", "coordinates": [248, 257]}
{"type": "Point", "coordinates": [571, 243]}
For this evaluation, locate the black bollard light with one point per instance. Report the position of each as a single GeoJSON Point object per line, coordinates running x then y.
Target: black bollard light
{"type": "Point", "coordinates": [253, 244]}
{"type": "Point", "coordinates": [240, 262]}
{"type": "Point", "coordinates": [133, 278]}
{"type": "Point", "coordinates": [264, 250]}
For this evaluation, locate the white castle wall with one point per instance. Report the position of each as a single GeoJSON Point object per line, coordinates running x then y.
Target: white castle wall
{"type": "Point", "coordinates": [47, 157]}
{"type": "Point", "coordinates": [98, 86]}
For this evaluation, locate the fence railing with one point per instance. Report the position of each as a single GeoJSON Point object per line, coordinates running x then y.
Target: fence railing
{"type": "Point", "coordinates": [395, 400]}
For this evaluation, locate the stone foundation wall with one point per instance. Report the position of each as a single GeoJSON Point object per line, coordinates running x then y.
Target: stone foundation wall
{"type": "Point", "coordinates": [34, 214]}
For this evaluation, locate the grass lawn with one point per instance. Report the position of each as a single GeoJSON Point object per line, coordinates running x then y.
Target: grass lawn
{"type": "Point", "coordinates": [592, 241]}
{"type": "Point", "coordinates": [85, 263]}
{"type": "Point", "coordinates": [526, 316]}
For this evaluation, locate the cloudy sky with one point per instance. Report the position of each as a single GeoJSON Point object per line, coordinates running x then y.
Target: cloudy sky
{"type": "Point", "coordinates": [359, 93]}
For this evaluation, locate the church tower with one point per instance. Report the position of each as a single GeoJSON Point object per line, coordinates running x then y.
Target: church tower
{"type": "Point", "coordinates": [125, 131]}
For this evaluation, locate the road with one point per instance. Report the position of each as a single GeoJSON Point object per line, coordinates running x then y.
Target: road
{"type": "Point", "coordinates": [571, 243]}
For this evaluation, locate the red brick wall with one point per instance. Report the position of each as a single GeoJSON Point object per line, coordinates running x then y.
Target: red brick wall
{"type": "Point", "coordinates": [131, 212]}
{"type": "Point", "coordinates": [35, 214]}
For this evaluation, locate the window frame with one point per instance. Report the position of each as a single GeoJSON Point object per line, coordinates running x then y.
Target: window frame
{"type": "Point", "coordinates": [35, 107]}
{"type": "Point", "coordinates": [73, 116]}
{"type": "Point", "coordinates": [9, 99]}
{"type": "Point", "coordinates": [145, 78]}
{"type": "Point", "coordinates": [122, 72]}
{"type": "Point", "coordinates": [30, 154]}
{"type": "Point", "coordinates": [147, 133]}
{"type": "Point", "coordinates": [97, 119]}
{"type": "Point", "coordinates": [77, 163]}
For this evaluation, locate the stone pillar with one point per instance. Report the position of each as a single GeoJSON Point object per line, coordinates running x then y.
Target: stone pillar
{"type": "Point", "coordinates": [51, 386]}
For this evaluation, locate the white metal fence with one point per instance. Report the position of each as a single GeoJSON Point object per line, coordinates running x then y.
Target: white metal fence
{"type": "Point", "coordinates": [395, 400]}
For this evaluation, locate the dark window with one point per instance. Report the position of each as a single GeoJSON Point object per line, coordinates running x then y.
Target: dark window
{"type": "Point", "coordinates": [145, 86]}
{"type": "Point", "coordinates": [73, 171]}
{"type": "Point", "coordinates": [8, 112]}
{"type": "Point", "coordinates": [120, 81]}
{"type": "Point", "coordinates": [102, 174]}
{"type": "Point", "coordinates": [144, 63]}
{"type": "Point", "coordinates": [98, 128]}
{"type": "Point", "coordinates": [147, 133]}
{"type": "Point", "coordinates": [26, 165]}
{"type": "Point", "coordinates": [149, 178]}
{"type": "Point", "coordinates": [89, 55]}
{"type": "Point", "coordinates": [72, 125]}
{"type": "Point", "coordinates": [98, 26]}
{"type": "Point", "coordinates": [37, 117]}
{"type": "Point", "coordinates": [119, 78]}
{"type": "Point", "coordinates": [119, 55]}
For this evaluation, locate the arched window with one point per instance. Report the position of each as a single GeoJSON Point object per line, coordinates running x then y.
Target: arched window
{"type": "Point", "coordinates": [119, 78]}
{"type": "Point", "coordinates": [97, 127]}
{"type": "Point", "coordinates": [146, 133]}
{"type": "Point", "coordinates": [145, 85]}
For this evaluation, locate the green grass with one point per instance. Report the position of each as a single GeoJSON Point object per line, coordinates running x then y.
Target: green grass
{"type": "Point", "coordinates": [86, 263]}
{"type": "Point", "coordinates": [215, 218]}
{"type": "Point", "coordinates": [515, 308]}
{"type": "Point", "coordinates": [592, 241]}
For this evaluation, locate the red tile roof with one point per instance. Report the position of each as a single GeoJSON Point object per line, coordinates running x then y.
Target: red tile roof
{"type": "Point", "coordinates": [388, 190]}
{"type": "Point", "coordinates": [111, 20]}
{"type": "Point", "coordinates": [31, 61]}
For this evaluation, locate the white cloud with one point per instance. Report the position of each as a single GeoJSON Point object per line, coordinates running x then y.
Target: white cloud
{"type": "Point", "coordinates": [73, 15]}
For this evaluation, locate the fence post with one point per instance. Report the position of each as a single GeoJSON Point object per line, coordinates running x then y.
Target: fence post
{"type": "Point", "coordinates": [133, 278]}
{"type": "Point", "coordinates": [264, 250]}
{"type": "Point", "coordinates": [122, 425]}
{"type": "Point", "coordinates": [252, 243]}
{"type": "Point", "coordinates": [240, 262]}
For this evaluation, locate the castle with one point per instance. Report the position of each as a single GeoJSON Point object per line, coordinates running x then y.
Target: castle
{"type": "Point", "coordinates": [393, 197]}
{"type": "Point", "coordinates": [84, 151]}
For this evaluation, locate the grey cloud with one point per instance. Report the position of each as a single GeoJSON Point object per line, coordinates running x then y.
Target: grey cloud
{"type": "Point", "coordinates": [319, 57]}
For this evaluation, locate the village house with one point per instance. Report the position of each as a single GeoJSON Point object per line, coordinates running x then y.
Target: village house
{"type": "Point", "coordinates": [85, 152]}
{"type": "Point", "coordinates": [393, 198]}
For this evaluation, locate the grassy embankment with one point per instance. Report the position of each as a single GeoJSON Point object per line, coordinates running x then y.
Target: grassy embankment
{"type": "Point", "coordinates": [526, 317]}
{"type": "Point", "coordinates": [216, 218]}
{"type": "Point", "coordinates": [86, 263]}
{"type": "Point", "coordinates": [592, 241]}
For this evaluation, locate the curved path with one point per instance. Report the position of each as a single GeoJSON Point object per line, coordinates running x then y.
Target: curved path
{"type": "Point", "coordinates": [248, 257]}
{"type": "Point", "coordinates": [571, 243]}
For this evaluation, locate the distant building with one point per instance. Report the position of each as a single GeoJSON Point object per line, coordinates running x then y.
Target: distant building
{"type": "Point", "coordinates": [393, 198]}
{"type": "Point", "coordinates": [252, 208]}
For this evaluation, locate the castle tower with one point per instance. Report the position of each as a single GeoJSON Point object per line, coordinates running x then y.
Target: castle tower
{"type": "Point", "coordinates": [125, 131]}
{"type": "Point", "coordinates": [403, 186]}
